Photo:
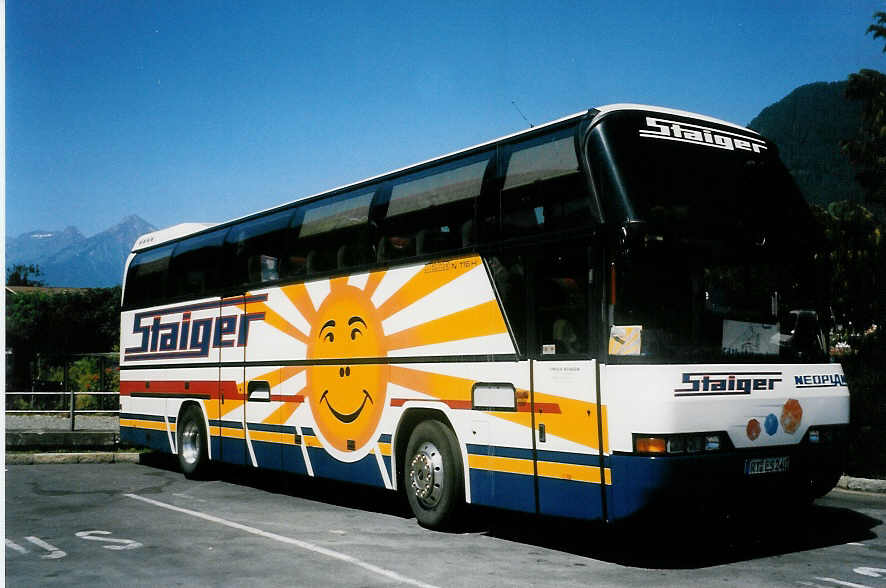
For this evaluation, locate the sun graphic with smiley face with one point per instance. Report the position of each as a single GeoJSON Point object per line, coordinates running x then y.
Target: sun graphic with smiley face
{"type": "Point", "coordinates": [347, 399]}
{"type": "Point", "coordinates": [351, 329]}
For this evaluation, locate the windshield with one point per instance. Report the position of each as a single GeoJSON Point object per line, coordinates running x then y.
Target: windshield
{"type": "Point", "coordinates": [715, 248]}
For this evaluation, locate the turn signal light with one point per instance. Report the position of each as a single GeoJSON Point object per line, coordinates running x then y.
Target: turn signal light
{"type": "Point", "coordinates": [651, 445]}
{"type": "Point", "coordinates": [680, 443]}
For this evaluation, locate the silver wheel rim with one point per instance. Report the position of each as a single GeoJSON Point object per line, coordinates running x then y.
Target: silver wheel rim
{"type": "Point", "coordinates": [426, 474]}
{"type": "Point", "coordinates": [190, 442]}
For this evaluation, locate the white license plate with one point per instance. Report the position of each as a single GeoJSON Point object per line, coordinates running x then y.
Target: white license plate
{"type": "Point", "coordinates": [766, 465]}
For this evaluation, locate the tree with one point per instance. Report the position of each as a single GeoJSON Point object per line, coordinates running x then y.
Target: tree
{"type": "Point", "coordinates": [21, 275]}
{"type": "Point", "coordinates": [879, 28]}
{"type": "Point", "coordinates": [81, 321]}
{"type": "Point", "coordinates": [857, 265]}
{"type": "Point", "coordinates": [867, 151]}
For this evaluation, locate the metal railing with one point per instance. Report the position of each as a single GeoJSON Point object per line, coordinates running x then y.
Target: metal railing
{"type": "Point", "coordinates": [72, 411]}
{"type": "Point", "coordinates": [66, 384]}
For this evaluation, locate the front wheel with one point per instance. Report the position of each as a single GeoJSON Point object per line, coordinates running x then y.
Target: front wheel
{"type": "Point", "coordinates": [193, 456]}
{"type": "Point", "coordinates": [433, 477]}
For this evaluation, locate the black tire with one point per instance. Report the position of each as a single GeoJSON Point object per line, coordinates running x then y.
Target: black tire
{"type": "Point", "coordinates": [191, 440]}
{"type": "Point", "coordinates": [433, 476]}
{"type": "Point", "coordinates": [823, 483]}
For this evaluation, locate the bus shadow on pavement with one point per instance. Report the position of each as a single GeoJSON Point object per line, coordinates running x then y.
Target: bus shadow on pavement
{"type": "Point", "coordinates": [332, 492]}
{"type": "Point", "coordinates": [678, 543]}
{"type": "Point", "coordinates": [690, 543]}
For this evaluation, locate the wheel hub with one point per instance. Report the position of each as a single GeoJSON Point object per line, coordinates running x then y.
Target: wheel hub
{"type": "Point", "coordinates": [190, 442]}
{"type": "Point", "coordinates": [426, 474]}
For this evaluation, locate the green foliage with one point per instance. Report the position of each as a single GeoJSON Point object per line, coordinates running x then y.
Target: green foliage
{"type": "Point", "coordinates": [66, 322]}
{"type": "Point", "coordinates": [21, 275]}
{"type": "Point", "coordinates": [856, 251]}
{"type": "Point", "coordinates": [867, 150]}
{"type": "Point", "coordinates": [879, 29]}
{"type": "Point", "coordinates": [83, 321]}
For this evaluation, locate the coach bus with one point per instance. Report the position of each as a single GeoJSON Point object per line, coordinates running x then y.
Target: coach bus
{"type": "Point", "coordinates": [601, 317]}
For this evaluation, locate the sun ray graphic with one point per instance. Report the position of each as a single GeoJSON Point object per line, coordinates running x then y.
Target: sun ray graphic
{"type": "Point", "coordinates": [432, 309]}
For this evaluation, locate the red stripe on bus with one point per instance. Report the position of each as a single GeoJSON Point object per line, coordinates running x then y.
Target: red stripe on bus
{"type": "Point", "coordinates": [456, 404]}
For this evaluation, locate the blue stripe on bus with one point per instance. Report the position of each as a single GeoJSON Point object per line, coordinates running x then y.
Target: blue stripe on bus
{"type": "Point", "coordinates": [268, 454]}
{"type": "Point", "coordinates": [364, 471]}
{"type": "Point", "coordinates": [225, 424]}
{"type": "Point", "coordinates": [569, 498]}
{"type": "Point", "coordinates": [502, 490]}
{"type": "Point", "coordinates": [142, 417]}
{"type": "Point", "coordinates": [293, 460]}
{"type": "Point", "coordinates": [233, 450]}
{"type": "Point", "coordinates": [589, 459]}
{"type": "Point", "coordinates": [149, 438]}
{"type": "Point", "coordinates": [270, 428]}
{"type": "Point", "coordinates": [384, 438]}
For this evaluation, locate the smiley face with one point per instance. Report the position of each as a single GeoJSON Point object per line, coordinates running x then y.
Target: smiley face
{"type": "Point", "coordinates": [347, 398]}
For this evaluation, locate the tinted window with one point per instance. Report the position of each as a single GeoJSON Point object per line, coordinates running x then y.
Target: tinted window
{"type": "Point", "coordinates": [254, 250]}
{"type": "Point", "coordinates": [331, 234]}
{"type": "Point", "coordinates": [433, 211]}
{"type": "Point", "coordinates": [194, 268]}
{"type": "Point", "coordinates": [146, 279]}
{"type": "Point", "coordinates": [543, 189]}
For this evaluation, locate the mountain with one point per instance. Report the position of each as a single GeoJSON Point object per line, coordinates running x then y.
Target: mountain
{"type": "Point", "coordinates": [37, 245]}
{"type": "Point", "coordinates": [808, 125]}
{"type": "Point", "coordinates": [86, 263]}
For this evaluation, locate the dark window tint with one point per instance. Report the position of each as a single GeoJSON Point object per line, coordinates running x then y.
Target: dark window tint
{"type": "Point", "coordinates": [433, 211]}
{"type": "Point", "coordinates": [146, 279]}
{"type": "Point", "coordinates": [194, 268]}
{"type": "Point", "coordinates": [543, 188]}
{"type": "Point", "coordinates": [544, 293]}
{"type": "Point", "coordinates": [509, 273]}
{"type": "Point", "coordinates": [561, 301]}
{"type": "Point", "coordinates": [331, 234]}
{"type": "Point", "coordinates": [254, 250]}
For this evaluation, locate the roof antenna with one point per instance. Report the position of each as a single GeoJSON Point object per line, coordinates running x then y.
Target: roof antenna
{"type": "Point", "coordinates": [514, 102]}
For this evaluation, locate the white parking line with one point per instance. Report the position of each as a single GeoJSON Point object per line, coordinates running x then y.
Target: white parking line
{"type": "Point", "coordinates": [15, 546]}
{"type": "Point", "coordinates": [54, 552]}
{"type": "Point", "coordinates": [843, 583]}
{"type": "Point", "coordinates": [391, 575]}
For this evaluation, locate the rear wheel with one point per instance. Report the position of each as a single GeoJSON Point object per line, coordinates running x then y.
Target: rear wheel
{"type": "Point", "coordinates": [823, 483]}
{"type": "Point", "coordinates": [193, 456]}
{"type": "Point", "coordinates": [433, 476]}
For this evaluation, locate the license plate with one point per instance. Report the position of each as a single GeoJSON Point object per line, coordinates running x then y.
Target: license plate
{"type": "Point", "coordinates": [766, 465]}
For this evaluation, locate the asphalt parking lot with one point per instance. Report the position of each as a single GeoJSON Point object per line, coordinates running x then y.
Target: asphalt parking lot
{"type": "Point", "coordinates": [145, 524]}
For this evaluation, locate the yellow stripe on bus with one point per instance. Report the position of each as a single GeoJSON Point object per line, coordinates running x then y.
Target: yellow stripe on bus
{"type": "Point", "coordinates": [575, 472]}
{"type": "Point", "coordinates": [546, 469]}
{"type": "Point", "coordinates": [385, 449]}
{"type": "Point", "coordinates": [311, 441]}
{"type": "Point", "coordinates": [511, 465]}
{"type": "Point", "coordinates": [232, 433]}
{"type": "Point", "coordinates": [138, 424]}
{"type": "Point", "coordinates": [272, 437]}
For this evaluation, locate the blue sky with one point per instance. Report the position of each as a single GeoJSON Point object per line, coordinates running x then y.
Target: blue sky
{"type": "Point", "coordinates": [205, 111]}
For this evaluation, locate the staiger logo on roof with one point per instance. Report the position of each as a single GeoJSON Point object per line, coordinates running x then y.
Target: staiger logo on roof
{"type": "Point", "coordinates": [671, 130]}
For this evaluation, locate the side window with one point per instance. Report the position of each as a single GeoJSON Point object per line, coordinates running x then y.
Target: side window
{"type": "Point", "coordinates": [432, 211]}
{"type": "Point", "coordinates": [543, 188]}
{"type": "Point", "coordinates": [254, 250]}
{"type": "Point", "coordinates": [508, 271]}
{"type": "Point", "coordinates": [561, 302]}
{"type": "Point", "coordinates": [330, 234]}
{"type": "Point", "coordinates": [194, 267]}
{"type": "Point", "coordinates": [545, 295]}
{"type": "Point", "coordinates": [146, 278]}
